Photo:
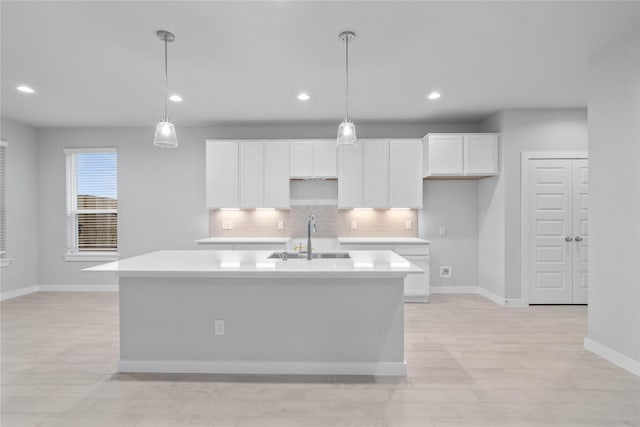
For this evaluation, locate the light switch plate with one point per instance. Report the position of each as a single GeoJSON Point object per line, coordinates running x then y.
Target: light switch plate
{"type": "Point", "coordinates": [354, 224]}
{"type": "Point", "coordinates": [230, 225]}
{"type": "Point", "coordinates": [408, 225]}
{"type": "Point", "coordinates": [442, 231]}
{"type": "Point", "coordinates": [219, 327]}
{"type": "Point", "coordinates": [225, 225]}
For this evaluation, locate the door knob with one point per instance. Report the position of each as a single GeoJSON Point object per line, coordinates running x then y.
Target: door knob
{"type": "Point", "coordinates": [568, 238]}
{"type": "Point", "coordinates": [578, 239]}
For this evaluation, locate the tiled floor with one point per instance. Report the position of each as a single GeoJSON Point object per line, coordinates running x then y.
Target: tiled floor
{"type": "Point", "coordinates": [470, 363]}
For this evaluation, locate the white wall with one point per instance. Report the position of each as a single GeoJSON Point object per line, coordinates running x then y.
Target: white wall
{"type": "Point", "coordinates": [22, 206]}
{"type": "Point", "coordinates": [452, 204]}
{"type": "Point", "coordinates": [521, 131]}
{"type": "Point", "coordinates": [161, 192]}
{"type": "Point", "coordinates": [614, 230]}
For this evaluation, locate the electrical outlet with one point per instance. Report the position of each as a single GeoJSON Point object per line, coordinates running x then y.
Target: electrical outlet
{"type": "Point", "coordinates": [225, 225]}
{"type": "Point", "coordinates": [229, 225]}
{"type": "Point", "coordinates": [442, 231]}
{"type": "Point", "coordinates": [354, 224]}
{"type": "Point", "coordinates": [408, 225]}
{"type": "Point", "coordinates": [445, 271]}
{"type": "Point", "coordinates": [280, 225]}
{"type": "Point", "coordinates": [219, 327]}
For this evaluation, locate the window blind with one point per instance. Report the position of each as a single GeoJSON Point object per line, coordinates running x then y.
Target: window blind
{"type": "Point", "coordinates": [3, 200]}
{"type": "Point", "coordinates": [92, 200]}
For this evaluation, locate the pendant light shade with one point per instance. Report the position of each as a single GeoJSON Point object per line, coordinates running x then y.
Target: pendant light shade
{"type": "Point", "coordinates": [165, 131]}
{"type": "Point", "coordinates": [346, 130]}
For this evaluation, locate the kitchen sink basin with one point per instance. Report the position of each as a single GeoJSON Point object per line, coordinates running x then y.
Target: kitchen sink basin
{"type": "Point", "coordinates": [303, 255]}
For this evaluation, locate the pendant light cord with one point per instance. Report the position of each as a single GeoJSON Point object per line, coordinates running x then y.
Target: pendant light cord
{"type": "Point", "coordinates": [346, 96]}
{"type": "Point", "coordinates": [166, 82]}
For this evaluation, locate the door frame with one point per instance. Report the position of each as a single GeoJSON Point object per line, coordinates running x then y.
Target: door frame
{"type": "Point", "coordinates": [526, 157]}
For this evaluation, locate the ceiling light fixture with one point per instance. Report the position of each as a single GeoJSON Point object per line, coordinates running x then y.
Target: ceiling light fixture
{"type": "Point", "coordinates": [346, 130]}
{"type": "Point", "coordinates": [175, 98]}
{"type": "Point", "coordinates": [434, 95]}
{"type": "Point", "coordinates": [303, 97]}
{"type": "Point", "coordinates": [25, 89]}
{"type": "Point", "coordinates": [165, 131]}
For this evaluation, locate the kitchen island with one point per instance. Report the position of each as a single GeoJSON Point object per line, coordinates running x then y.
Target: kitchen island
{"type": "Point", "coordinates": [242, 312]}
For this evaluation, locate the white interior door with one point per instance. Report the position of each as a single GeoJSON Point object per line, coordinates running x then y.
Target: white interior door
{"type": "Point", "coordinates": [580, 230]}
{"type": "Point", "coordinates": [558, 215]}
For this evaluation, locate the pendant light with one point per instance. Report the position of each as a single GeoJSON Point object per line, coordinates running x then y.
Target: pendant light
{"type": "Point", "coordinates": [165, 131]}
{"type": "Point", "coordinates": [346, 130]}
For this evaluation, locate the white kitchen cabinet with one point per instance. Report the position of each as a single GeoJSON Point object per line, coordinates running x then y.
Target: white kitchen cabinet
{"type": "Point", "coordinates": [380, 173]}
{"type": "Point", "coordinates": [276, 185]}
{"type": "Point", "coordinates": [405, 173]}
{"type": "Point", "coordinates": [247, 174]}
{"type": "Point", "coordinates": [461, 155]}
{"type": "Point", "coordinates": [350, 176]}
{"type": "Point", "coordinates": [416, 286]}
{"type": "Point", "coordinates": [222, 174]}
{"type": "Point", "coordinates": [251, 176]}
{"type": "Point", "coordinates": [313, 159]}
{"type": "Point", "coordinates": [376, 173]}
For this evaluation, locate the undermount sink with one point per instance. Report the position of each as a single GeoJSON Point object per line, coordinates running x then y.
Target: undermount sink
{"type": "Point", "coordinates": [303, 255]}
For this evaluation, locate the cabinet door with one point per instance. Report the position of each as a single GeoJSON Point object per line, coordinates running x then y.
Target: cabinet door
{"type": "Point", "coordinates": [276, 174]}
{"type": "Point", "coordinates": [325, 159]}
{"type": "Point", "coordinates": [222, 174]}
{"type": "Point", "coordinates": [405, 174]}
{"type": "Point", "coordinates": [376, 173]}
{"type": "Point", "coordinates": [444, 155]}
{"type": "Point", "coordinates": [251, 174]}
{"type": "Point", "coordinates": [301, 165]}
{"type": "Point", "coordinates": [481, 154]}
{"type": "Point", "coordinates": [349, 176]}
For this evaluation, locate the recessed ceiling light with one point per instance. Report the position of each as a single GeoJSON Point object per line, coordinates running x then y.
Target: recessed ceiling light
{"type": "Point", "coordinates": [434, 95]}
{"type": "Point", "coordinates": [25, 89]}
{"type": "Point", "coordinates": [175, 98]}
{"type": "Point", "coordinates": [303, 97]}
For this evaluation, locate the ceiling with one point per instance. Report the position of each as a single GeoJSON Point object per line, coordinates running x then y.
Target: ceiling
{"type": "Point", "coordinates": [100, 64]}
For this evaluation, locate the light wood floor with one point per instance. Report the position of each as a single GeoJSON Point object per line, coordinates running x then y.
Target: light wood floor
{"type": "Point", "coordinates": [470, 363]}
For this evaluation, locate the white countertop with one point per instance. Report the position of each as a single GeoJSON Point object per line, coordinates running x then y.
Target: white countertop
{"type": "Point", "coordinates": [383, 240]}
{"type": "Point", "coordinates": [244, 240]}
{"type": "Point", "coordinates": [204, 263]}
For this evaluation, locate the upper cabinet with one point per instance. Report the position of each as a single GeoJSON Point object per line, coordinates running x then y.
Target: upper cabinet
{"type": "Point", "coordinates": [247, 174]}
{"type": "Point", "coordinates": [470, 155]}
{"type": "Point", "coordinates": [313, 159]}
{"type": "Point", "coordinates": [380, 174]}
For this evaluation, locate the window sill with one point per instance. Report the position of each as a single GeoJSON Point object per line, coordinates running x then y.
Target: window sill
{"type": "Point", "coordinates": [5, 262]}
{"type": "Point", "coordinates": [96, 256]}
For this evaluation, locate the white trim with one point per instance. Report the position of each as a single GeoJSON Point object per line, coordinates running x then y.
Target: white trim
{"type": "Point", "coordinates": [515, 303]}
{"type": "Point", "coordinates": [263, 367]}
{"type": "Point", "coordinates": [313, 202]}
{"type": "Point", "coordinates": [18, 292]}
{"type": "Point", "coordinates": [92, 256]}
{"type": "Point", "coordinates": [525, 220]}
{"type": "Point", "coordinates": [416, 297]}
{"type": "Point", "coordinates": [454, 289]}
{"type": "Point", "coordinates": [78, 288]}
{"type": "Point", "coordinates": [90, 150]}
{"type": "Point", "coordinates": [5, 262]}
{"type": "Point", "coordinates": [491, 296]}
{"type": "Point", "coordinates": [612, 356]}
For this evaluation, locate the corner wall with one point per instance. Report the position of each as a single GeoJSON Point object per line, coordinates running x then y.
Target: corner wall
{"type": "Point", "coordinates": [614, 230]}
{"type": "Point", "coordinates": [22, 208]}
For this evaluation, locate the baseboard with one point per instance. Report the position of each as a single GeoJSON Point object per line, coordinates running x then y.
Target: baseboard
{"type": "Point", "coordinates": [491, 296]}
{"type": "Point", "coordinates": [625, 362]}
{"type": "Point", "coordinates": [515, 303]}
{"type": "Point", "coordinates": [416, 297]}
{"type": "Point", "coordinates": [18, 292]}
{"type": "Point", "coordinates": [263, 367]}
{"type": "Point", "coordinates": [78, 288]}
{"type": "Point", "coordinates": [454, 289]}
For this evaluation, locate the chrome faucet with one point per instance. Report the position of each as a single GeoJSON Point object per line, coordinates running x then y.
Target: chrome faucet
{"type": "Point", "coordinates": [311, 222]}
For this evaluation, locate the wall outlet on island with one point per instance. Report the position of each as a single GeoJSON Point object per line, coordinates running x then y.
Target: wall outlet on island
{"type": "Point", "coordinates": [219, 327]}
{"type": "Point", "coordinates": [280, 225]}
{"type": "Point", "coordinates": [445, 271]}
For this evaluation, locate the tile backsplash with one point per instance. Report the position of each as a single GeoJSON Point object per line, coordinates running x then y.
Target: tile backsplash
{"type": "Point", "coordinates": [330, 221]}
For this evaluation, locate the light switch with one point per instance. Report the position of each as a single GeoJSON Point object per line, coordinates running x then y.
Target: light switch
{"type": "Point", "coordinates": [442, 231]}
{"type": "Point", "coordinates": [280, 225]}
{"type": "Point", "coordinates": [354, 224]}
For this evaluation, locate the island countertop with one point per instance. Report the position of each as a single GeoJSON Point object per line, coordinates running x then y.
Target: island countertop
{"type": "Point", "coordinates": [203, 263]}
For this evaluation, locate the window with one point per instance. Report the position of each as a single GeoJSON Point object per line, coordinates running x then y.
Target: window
{"type": "Point", "coordinates": [92, 204]}
{"type": "Point", "coordinates": [3, 209]}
